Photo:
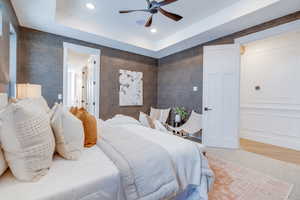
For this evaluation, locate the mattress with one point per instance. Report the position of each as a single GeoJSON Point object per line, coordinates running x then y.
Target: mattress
{"type": "Point", "coordinates": [92, 177]}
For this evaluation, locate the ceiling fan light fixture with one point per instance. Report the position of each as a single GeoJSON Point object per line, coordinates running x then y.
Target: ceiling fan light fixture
{"type": "Point", "coordinates": [90, 6]}
{"type": "Point", "coordinates": [153, 30]}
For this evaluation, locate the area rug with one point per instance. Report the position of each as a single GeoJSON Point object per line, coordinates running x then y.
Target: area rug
{"type": "Point", "coordinates": [234, 182]}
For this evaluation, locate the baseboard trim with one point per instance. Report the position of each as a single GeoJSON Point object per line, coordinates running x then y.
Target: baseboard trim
{"type": "Point", "coordinates": [289, 143]}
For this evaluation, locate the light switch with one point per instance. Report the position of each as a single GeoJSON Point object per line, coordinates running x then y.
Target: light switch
{"type": "Point", "coordinates": [195, 88]}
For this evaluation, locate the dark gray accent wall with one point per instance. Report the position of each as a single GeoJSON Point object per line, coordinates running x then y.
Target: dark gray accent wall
{"type": "Point", "coordinates": [41, 62]}
{"type": "Point", "coordinates": [178, 73]}
{"type": "Point", "coordinates": [8, 16]}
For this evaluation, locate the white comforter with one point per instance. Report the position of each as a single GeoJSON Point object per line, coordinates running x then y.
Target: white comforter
{"type": "Point", "coordinates": [191, 166]}
{"type": "Point", "coordinates": [146, 169]}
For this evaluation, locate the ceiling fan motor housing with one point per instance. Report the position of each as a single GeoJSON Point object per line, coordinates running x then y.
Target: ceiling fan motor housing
{"type": "Point", "coordinates": [154, 5]}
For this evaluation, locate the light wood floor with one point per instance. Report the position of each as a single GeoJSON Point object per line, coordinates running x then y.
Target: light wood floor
{"type": "Point", "coordinates": [271, 151]}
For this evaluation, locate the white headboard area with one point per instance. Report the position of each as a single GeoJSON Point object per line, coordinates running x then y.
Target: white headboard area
{"type": "Point", "coordinates": [3, 100]}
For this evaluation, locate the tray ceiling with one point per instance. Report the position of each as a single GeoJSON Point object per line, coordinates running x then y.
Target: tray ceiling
{"type": "Point", "coordinates": [203, 20]}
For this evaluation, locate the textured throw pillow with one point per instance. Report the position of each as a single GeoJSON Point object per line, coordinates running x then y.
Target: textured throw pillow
{"type": "Point", "coordinates": [90, 127]}
{"type": "Point", "coordinates": [68, 132]}
{"type": "Point", "coordinates": [146, 120]}
{"type": "Point", "coordinates": [39, 101]}
{"type": "Point", "coordinates": [27, 140]}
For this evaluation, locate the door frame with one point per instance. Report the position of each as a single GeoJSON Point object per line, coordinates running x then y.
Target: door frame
{"type": "Point", "coordinates": [85, 50]}
{"type": "Point", "coordinates": [281, 29]}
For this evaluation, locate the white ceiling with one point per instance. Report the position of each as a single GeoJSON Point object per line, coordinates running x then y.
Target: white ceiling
{"type": "Point", "coordinates": [204, 20]}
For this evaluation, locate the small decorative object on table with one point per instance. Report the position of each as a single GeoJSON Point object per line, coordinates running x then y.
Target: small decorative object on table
{"type": "Point", "coordinates": [180, 115]}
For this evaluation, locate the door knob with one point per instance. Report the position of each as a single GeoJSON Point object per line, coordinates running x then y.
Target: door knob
{"type": "Point", "coordinates": [207, 109]}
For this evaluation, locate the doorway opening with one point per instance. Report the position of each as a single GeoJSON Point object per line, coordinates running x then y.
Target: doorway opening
{"type": "Point", "coordinates": [269, 101]}
{"type": "Point", "coordinates": [81, 81]}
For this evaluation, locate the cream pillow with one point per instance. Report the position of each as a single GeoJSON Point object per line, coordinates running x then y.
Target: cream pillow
{"type": "Point", "coordinates": [69, 133]}
{"type": "Point", "coordinates": [3, 104]}
{"type": "Point", "coordinates": [100, 124]}
{"type": "Point", "coordinates": [27, 140]}
{"type": "Point", "coordinates": [52, 110]}
{"type": "Point", "coordinates": [121, 120]}
{"type": "Point", "coordinates": [160, 127]}
{"type": "Point", "coordinates": [39, 101]}
{"type": "Point", "coordinates": [146, 120]}
{"type": "Point", "coordinates": [161, 115]}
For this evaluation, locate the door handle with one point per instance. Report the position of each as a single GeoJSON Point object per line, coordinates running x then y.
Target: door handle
{"type": "Point", "coordinates": [207, 109]}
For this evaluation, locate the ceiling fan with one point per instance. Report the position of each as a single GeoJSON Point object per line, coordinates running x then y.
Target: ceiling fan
{"type": "Point", "coordinates": [153, 8]}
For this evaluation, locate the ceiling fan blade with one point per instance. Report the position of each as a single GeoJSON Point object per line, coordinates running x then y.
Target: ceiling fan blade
{"type": "Point", "coordinates": [129, 11]}
{"type": "Point", "coordinates": [166, 2]}
{"type": "Point", "coordinates": [173, 16]}
{"type": "Point", "coordinates": [149, 22]}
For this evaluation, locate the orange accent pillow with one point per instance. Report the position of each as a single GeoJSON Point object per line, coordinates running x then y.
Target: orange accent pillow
{"type": "Point", "coordinates": [90, 127]}
{"type": "Point", "coordinates": [74, 110]}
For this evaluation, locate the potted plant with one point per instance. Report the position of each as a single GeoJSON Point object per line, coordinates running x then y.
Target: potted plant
{"type": "Point", "coordinates": [180, 114]}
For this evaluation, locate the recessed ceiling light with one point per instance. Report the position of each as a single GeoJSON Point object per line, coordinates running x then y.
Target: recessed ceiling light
{"type": "Point", "coordinates": [153, 30]}
{"type": "Point", "coordinates": [90, 6]}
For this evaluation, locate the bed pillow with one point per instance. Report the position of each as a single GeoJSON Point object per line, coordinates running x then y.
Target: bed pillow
{"type": "Point", "coordinates": [27, 140]}
{"type": "Point", "coordinates": [146, 120]}
{"type": "Point", "coordinates": [39, 101]}
{"type": "Point", "coordinates": [3, 104]}
{"type": "Point", "coordinates": [52, 110]}
{"type": "Point", "coordinates": [68, 132]}
{"type": "Point", "coordinates": [160, 127]}
{"type": "Point", "coordinates": [122, 120]}
{"type": "Point", "coordinates": [100, 125]}
{"type": "Point", "coordinates": [161, 115]}
{"type": "Point", "coordinates": [73, 110]}
{"type": "Point", "coordinates": [3, 164]}
{"type": "Point", "coordinates": [90, 127]}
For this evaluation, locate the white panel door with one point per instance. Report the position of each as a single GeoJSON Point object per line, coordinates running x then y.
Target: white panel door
{"type": "Point", "coordinates": [221, 79]}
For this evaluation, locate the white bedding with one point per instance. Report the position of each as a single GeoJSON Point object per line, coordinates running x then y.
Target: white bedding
{"type": "Point", "coordinates": [92, 177]}
{"type": "Point", "coordinates": [185, 154]}
{"type": "Point", "coordinates": [191, 165]}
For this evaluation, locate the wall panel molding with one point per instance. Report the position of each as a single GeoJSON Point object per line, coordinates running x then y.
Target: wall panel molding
{"type": "Point", "coordinates": [272, 113]}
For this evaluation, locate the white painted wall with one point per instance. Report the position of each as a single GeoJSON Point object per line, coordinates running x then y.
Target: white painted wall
{"type": "Point", "coordinates": [272, 114]}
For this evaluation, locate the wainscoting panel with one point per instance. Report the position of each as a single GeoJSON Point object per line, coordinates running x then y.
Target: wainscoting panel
{"type": "Point", "coordinates": [270, 101]}
{"type": "Point", "coordinates": [279, 127]}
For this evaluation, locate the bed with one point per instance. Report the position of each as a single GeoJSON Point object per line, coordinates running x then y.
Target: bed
{"type": "Point", "coordinates": [93, 177]}
{"type": "Point", "coordinates": [129, 162]}
{"type": "Point", "coordinates": [153, 161]}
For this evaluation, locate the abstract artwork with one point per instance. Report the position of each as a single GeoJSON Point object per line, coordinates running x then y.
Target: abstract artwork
{"type": "Point", "coordinates": [131, 88]}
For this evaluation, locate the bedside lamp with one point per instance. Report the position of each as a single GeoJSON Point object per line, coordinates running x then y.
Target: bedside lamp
{"type": "Point", "coordinates": [28, 91]}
